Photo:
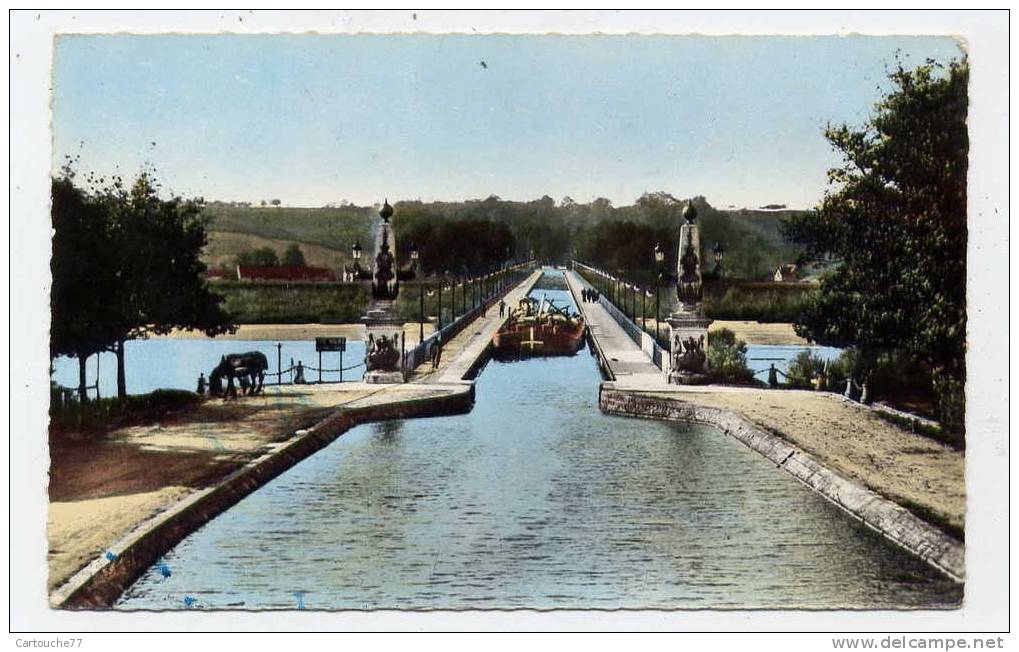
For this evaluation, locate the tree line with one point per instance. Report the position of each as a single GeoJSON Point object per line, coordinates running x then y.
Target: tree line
{"type": "Point", "coordinates": [474, 235]}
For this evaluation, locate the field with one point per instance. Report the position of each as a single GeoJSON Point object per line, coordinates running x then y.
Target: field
{"type": "Point", "coordinates": [331, 228]}
{"type": "Point", "coordinates": [224, 246]}
{"type": "Point", "coordinates": [293, 303]}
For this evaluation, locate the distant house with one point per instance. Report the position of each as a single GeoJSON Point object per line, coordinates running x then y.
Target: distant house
{"type": "Point", "coordinates": [786, 273]}
{"type": "Point", "coordinates": [283, 273]}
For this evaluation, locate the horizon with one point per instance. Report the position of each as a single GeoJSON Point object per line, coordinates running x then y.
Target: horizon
{"type": "Point", "coordinates": [319, 119]}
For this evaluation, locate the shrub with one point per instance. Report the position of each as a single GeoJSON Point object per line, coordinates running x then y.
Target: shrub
{"type": "Point", "coordinates": [727, 358]}
{"type": "Point", "coordinates": [106, 413]}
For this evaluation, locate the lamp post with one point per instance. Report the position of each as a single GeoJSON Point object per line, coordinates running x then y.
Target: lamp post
{"type": "Point", "coordinates": [421, 314]}
{"type": "Point", "coordinates": [442, 282]}
{"type": "Point", "coordinates": [718, 252]}
{"type": "Point", "coordinates": [659, 256]}
{"type": "Point", "coordinates": [355, 253]}
{"type": "Point", "coordinates": [643, 308]}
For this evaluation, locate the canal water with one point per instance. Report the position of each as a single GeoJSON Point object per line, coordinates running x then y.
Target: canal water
{"type": "Point", "coordinates": [163, 363]}
{"type": "Point", "coordinates": [535, 499]}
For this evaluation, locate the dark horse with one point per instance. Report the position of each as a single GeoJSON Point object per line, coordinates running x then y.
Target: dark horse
{"type": "Point", "coordinates": [248, 368]}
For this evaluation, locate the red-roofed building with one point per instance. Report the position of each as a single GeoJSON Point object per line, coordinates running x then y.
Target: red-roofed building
{"type": "Point", "coordinates": [283, 273]}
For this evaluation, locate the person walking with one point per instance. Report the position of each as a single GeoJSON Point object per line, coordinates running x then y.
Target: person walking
{"type": "Point", "coordinates": [299, 374]}
{"type": "Point", "coordinates": [502, 308]}
{"type": "Point", "coordinates": [436, 352]}
{"type": "Point", "coordinates": [201, 384]}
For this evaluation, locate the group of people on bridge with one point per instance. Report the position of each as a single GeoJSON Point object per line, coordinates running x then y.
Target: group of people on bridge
{"type": "Point", "coordinates": [590, 295]}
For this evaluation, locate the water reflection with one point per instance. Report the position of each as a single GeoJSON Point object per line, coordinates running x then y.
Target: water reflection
{"type": "Point", "coordinates": [536, 499]}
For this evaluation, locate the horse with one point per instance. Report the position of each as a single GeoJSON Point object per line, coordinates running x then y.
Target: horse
{"type": "Point", "coordinates": [249, 368]}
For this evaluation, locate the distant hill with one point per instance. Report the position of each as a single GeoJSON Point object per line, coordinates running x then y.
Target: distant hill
{"type": "Point", "coordinates": [224, 246]}
{"type": "Point", "coordinates": [751, 238]}
{"type": "Point", "coordinates": [333, 228]}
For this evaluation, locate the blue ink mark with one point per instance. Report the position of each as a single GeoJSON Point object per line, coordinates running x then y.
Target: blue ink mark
{"type": "Point", "coordinates": [189, 601]}
{"type": "Point", "coordinates": [112, 556]}
{"type": "Point", "coordinates": [300, 599]}
{"type": "Point", "coordinates": [164, 570]}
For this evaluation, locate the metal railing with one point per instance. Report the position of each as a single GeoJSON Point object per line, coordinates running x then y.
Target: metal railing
{"type": "Point", "coordinates": [421, 353]}
{"type": "Point", "coordinates": [659, 356]}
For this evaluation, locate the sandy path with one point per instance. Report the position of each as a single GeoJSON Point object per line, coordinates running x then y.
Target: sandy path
{"type": "Point", "coordinates": [80, 530]}
{"type": "Point", "coordinates": [102, 488]}
{"type": "Point", "coordinates": [753, 332]}
{"type": "Point", "coordinates": [921, 474]}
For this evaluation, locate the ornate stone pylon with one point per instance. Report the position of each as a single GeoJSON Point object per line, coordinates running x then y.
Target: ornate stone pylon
{"type": "Point", "coordinates": [688, 328]}
{"type": "Point", "coordinates": [384, 346]}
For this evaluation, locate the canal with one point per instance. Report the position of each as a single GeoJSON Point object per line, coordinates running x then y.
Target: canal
{"type": "Point", "coordinates": [535, 499]}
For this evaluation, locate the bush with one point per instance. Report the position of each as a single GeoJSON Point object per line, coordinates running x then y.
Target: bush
{"type": "Point", "coordinates": [295, 303]}
{"type": "Point", "coordinates": [727, 358]}
{"type": "Point", "coordinates": [106, 413]}
{"type": "Point", "coordinates": [767, 303]}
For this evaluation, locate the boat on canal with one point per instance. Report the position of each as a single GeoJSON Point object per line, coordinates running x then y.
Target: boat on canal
{"type": "Point", "coordinates": [539, 328]}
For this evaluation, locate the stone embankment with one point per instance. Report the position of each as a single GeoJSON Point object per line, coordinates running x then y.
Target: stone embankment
{"type": "Point", "coordinates": [239, 447]}
{"type": "Point", "coordinates": [903, 485]}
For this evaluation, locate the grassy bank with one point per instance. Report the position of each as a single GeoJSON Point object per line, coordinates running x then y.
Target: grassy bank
{"type": "Point", "coordinates": [293, 303]}
{"type": "Point", "coordinates": [98, 416]}
{"type": "Point", "coordinates": [311, 303]}
{"type": "Point", "coordinates": [763, 302]}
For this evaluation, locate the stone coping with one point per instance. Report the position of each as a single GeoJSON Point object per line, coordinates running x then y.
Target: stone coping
{"type": "Point", "coordinates": [100, 583]}
{"type": "Point", "coordinates": [886, 517]}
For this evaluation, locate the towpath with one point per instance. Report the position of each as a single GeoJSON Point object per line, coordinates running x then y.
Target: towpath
{"type": "Point", "coordinates": [915, 471]}
{"type": "Point", "coordinates": [106, 489]}
{"type": "Point", "coordinates": [464, 351]}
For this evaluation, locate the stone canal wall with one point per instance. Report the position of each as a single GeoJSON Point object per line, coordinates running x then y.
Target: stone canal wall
{"type": "Point", "coordinates": [893, 521]}
{"type": "Point", "coordinates": [99, 584]}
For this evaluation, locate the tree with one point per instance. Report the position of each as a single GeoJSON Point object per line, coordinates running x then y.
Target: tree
{"type": "Point", "coordinates": [894, 225]}
{"type": "Point", "coordinates": [293, 255]}
{"type": "Point", "coordinates": [261, 257]}
{"type": "Point", "coordinates": [82, 233]}
{"type": "Point", "coordinates": [160, 283]}
{"type": "Point", "coordinates": [143, 275]}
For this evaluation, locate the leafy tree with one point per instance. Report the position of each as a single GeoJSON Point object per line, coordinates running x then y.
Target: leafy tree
{"type": "Point", "coordinates": [293, 255]}
{"type": "Point", "coordinates": [144, 274]}
{"type": "Point", "coordinates": [894, 225]}
{"type": "Point", "coordinates": [82, 232]}
{"type": "Point", "coordinates": [261, 257]}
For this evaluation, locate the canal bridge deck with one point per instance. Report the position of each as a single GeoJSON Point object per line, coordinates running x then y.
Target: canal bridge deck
{"type": "Point", "coordinates": [629, 365]}
{"type": "Point", "coordinates": [467, 350]}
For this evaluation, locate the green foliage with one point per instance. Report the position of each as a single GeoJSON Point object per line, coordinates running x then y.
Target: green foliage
{"type": "Point", "coordinates": [293, 256]}
{"type": "Point", "coordinates": [294, 303]}
{"type": "Point", "coordinates": [334, 227]}
{"type": "Point", "coordinates": [262, 257]}
{"type": "Point", "coordinates": [894, 224]}
{"type": "Point", "coordinates": [475, 235]}
{"type": "Point", "coordinates": [806, 369]}
{"type": "Point", "coordinates": [769, 303]}
{"type": "Point", "coordinates": [82, 229]}
{"type": "Point", "coordinates": [727, 358]}
{"type": "Point", "coordinates": [622, 239]}
{"type": "Point", "coordinates": [142, 271]}
{"type": "Point", "coordinates": [461, 246]}
{"type": "Point", "coordinates": [107, 413]}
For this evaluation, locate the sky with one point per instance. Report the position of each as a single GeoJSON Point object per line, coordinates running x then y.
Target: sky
{"type": "Point", "coordinates": [317, 119]}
